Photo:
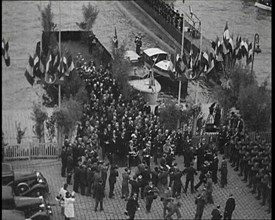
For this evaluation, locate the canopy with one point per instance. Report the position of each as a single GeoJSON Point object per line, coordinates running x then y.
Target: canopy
{"type": "Point", "coordinates": [154, 51]}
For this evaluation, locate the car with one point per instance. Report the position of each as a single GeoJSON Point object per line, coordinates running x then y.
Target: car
{"type": "Point", "coordinates": [34, 208]}
{"type": "Point", "coordinates": [31, 184]}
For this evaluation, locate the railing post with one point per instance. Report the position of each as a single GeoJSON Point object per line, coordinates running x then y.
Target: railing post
{"type": "Point", "coordinates": [30, 150]}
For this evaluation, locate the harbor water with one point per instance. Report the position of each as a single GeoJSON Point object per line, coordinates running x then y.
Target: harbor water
{"type": "Point", "coordinates": [21, 26]}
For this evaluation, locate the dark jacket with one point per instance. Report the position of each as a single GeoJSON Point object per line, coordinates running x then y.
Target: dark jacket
{"type": "Point", "coordinates": [99, 191]}
{"type": "Point", "coordinates": [82, 175]}
{"type": "Point", "coordinates": [132, 205]}
{"type": "Point", "coordinates": [230, 205]}
{"type": "Point", "coordinates": [190, 172]}
{"type": "Point", "coordinates": [113, 175]}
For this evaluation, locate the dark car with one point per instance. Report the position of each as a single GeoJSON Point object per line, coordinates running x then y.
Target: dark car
{"type": "Point", "coordinates": [24, 184]}
{"type": "Point", "coordinates": [34, 208]}
{"type": "Point", "coordinates": [12, 215]}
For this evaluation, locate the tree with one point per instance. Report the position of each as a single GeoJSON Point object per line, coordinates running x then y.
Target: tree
{"type": "Point", "coordinates": [67, 116]}
{"type": "Point", "coordinates": [170, 113]}
{"type": "Point", "coordinates": [244, 93]}
{"type": "Point", "coordinates": [120, 69]}
{"type": "Point", "coordinates": [49, 39]}
{"type": "Point", "coordinates": [89, 13]}
{"type": "Point", "coordinates": [39, 116]}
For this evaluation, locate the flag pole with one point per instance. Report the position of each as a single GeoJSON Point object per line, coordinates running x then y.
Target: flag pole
{"type": "Point", "coordinates": [59, 134]}
{"type": "Point", "coordinates": [181, 52]}
{"type": "Point", "coordinates": [59, 85]}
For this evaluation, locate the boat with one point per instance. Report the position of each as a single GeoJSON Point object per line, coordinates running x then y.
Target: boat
{"type": "Point", "coordinates": [264, 4]}
{"type": "Point", "coordinates": [158, 60]}
{"type": "Point", "coordinates": [141, 78]}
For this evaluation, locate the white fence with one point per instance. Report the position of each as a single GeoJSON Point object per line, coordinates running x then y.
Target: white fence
{"type": "Point", "coordinates": [31, 151]}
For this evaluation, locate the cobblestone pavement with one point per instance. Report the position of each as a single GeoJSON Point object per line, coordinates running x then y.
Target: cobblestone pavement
{"type": "Point", "coordinates": [247, 207]}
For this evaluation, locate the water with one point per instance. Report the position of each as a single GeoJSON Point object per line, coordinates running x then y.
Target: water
{"type": "Point", "coordinates": [21, 25]}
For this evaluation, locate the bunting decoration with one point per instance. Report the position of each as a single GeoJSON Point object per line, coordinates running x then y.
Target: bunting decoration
{"type": "Point", "coordinates": [29, 71]}
{"type": "Point", "coordinates": [5, 52]}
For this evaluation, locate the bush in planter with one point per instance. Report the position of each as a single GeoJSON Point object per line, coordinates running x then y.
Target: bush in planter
{"type": "Point", "coordinates": [39, 116]}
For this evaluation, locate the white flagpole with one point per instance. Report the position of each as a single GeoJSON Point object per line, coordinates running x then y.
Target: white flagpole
{"type": "Point", "coordinates": [182, 42]}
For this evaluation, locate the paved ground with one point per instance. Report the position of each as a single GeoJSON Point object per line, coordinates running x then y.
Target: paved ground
{"type": "Point", "coordinates": [247, 207]}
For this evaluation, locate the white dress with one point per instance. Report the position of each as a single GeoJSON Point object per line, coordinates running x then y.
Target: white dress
{"type": "Point", "coordinates": [69, 207]}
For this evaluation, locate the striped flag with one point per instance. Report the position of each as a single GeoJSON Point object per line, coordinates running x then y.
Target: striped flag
{"type": "Point", "coordinates": [56, 63]}
{"type": "Point", "coordinates": [5, 52]}
{"type": "Point", "coordinates": [211, 64]}
{"type": "Point", "coordinates": [249, 54]}
{"type": "Point", "coordinates": [29, 71]}
{"type": "Point", "coordinates": [48, 62]}
{"type": "Point", "coordinates": [226, 39]}
{"type": "Point", "coordinates": [205, 60]}
{"type": "Point", "coordinates": [244, 48]}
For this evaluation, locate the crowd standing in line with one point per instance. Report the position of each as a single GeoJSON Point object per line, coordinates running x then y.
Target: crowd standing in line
{"type": "Point", "coordinates": [117, 128]}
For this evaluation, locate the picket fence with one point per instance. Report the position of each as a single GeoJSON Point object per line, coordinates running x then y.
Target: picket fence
{"type": "Point", "coordinates": [31, 151]}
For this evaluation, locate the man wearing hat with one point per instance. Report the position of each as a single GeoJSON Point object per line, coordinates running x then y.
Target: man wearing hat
{"type": "Point", "coordinates": [135, 186]}
{"type": "Point", "coordinates": [190, 172]}
{"type": "Point", "coordinates": [200, 202]}
{"type": "Point", "coordinates": [146, 153]}
{"type": "Point", "coordinates": [99, 195]}
{"type": "Point", "coordinates": [112, 180]}
{"type": "Point", "coordinates": [229, 207]}
{"type": "Point", "coordinates": [209, 189]}
{"type": "Point", "coordinates": [216, 213]}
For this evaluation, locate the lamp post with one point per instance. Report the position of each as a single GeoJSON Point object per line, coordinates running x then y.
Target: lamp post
{"type": "Point", "coordinates": [256, 48]}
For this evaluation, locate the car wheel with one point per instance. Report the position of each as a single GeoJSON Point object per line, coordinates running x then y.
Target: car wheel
{"type": "Point", "coordinates": [37, 192]}
{"type": "Point", "coordinates": [21, 188]}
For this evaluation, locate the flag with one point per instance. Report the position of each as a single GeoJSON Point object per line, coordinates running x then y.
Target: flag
{"type": "Point", "coordinates": [226, 39]}
{"type": "Point", "coordinates": [170, 72]}
{"type": "Point", "coordinates": [226, 35]}
{"type": "Point", "coordinates": [38, 49]}
{"type": "Point", "coordinates": [115, 33]}
{"type": "Point", "coordinates": [211, 63]}
{"type": "Point", "coordinates": [205, 60]}
{"type": "Point", "coordinates": [70, 64]}
{"type": "Point", "coordinates": [56, 63]}
{"type": "Point", "coordinates": [48, 62]}
{"type": "Point", "coordinates": [29, 71]}
{"type": "Point", "coordinates": [29, 78]}
{"type": "Point", "coordinates": [5, 52]}
{"type": "Point", "coordinates": [244, 48]}
{"type": "Point", "coordinates": [249, 54]}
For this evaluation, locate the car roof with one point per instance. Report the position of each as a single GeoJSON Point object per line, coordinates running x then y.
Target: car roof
{"type": "Point", "coordinates": [7, 193]}
{"type": "Point", "coordinates": [153, 51]}
{"type": "Point", "coordinates": [12, 215]}
{"type": "Point", "coordinates": [7, 169]}
{"type": "Point", "coordinates": [132, 55]}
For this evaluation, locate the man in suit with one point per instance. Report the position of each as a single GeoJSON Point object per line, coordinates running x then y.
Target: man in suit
{"type": "Point", "coordinates": [112, 180]}
{"type": "Point", "coordinates": [99, 195]}
{"type": "Point", "coordinates": [229, 208]}
{"type": "Point", "coordinates": [132, 206]}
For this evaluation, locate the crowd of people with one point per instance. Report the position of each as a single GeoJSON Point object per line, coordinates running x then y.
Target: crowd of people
{"type": "Point", "coordinates": [113, 128]}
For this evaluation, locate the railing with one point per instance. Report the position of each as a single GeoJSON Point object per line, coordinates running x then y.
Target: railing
{"type": "Point", "coordinates": [31, 151]}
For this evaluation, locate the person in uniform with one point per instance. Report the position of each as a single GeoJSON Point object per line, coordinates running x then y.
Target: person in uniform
{"type": "Point", "coordinates": [112, 180]}
{"type": "Point", "coordinates": [190, 173]}
{"type": "Point", "coordinates": [82, 179]}
{"type": "Point", "coordinates": [200, 202]}
{"type": "Point", "coordinates": [150, 194]}
{"type": "Point", "coordinates": [174, 207]}
{"type": "Point", "coordinates": [99, 195]}
{"type": "Point", "coordinates": [229, 208]}
{"type": "Point", "coordinates": [216, 213]}
{"type": "Point", "coordinates": [135, 185]}
{"type": "Point", "coordinates": [167, 197]}
{"type": "Point", "coordinates": [89, 180]}
{"type": "Point", "coordinates": [125, 184]}
{"type": "Point", "coordinates": [132, 206]}
{"type": "Point", "coordinates": [76, 179]}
